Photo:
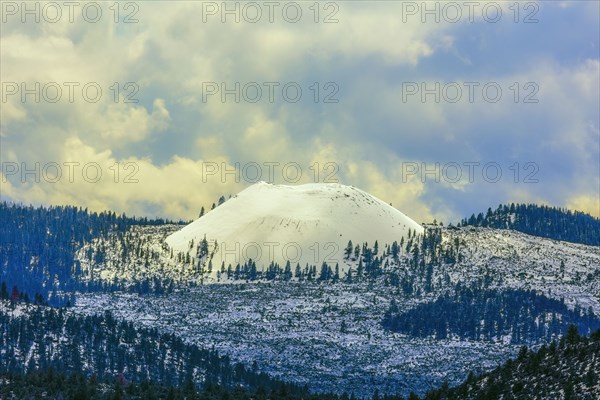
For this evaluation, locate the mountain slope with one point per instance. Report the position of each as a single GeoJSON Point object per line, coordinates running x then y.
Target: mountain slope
{"type": "Point", "coordinates": [328, 332]}
{"type": "Point", "coordinates": [305, 224]}
{"type": "Point", "coordinates": [568, 370]}
{"type": "Point", "coordinates": [544, 221]}
{"type": "Point", "coordinates": [38, 244]}
{"type": "Point", "coordinates": [37, 338]}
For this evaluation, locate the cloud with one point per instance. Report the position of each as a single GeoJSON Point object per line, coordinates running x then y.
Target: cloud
{"type": "Point", "coordinates": [98, 181]}
{"type": "Point", "coordinates": [175, 130]}
{"type": "Point", "coordinates": [586, 203]}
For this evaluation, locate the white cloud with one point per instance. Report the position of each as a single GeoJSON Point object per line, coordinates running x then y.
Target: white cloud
{"type": "Point", "coordinates": [586, 203]}
{"type": "Point", "coordinates": [170, 53]}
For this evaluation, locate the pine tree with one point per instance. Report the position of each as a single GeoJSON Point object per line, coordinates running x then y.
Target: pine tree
{"type": "Point", "coordinates": [287, 273]}
{"type": "Point", "coordinates": [3, 292]}
{"type": "Point", "coordinates": [348, 250]}
{"type": "Point", "coordinates": [298, 272]}
{"type": "Point", "coordinates": [572, 337]}
{"type": "Point", "coordinates": [359, 270]}
{"type": "Point", "coordinates": [413, 396]}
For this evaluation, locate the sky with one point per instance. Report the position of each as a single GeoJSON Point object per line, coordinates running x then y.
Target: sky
{"type": "Point", "coordinates": [443, 109]}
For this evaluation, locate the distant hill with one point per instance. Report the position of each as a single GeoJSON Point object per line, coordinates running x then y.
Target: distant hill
{"type": "Point", "coordinates": [38, 244]}
{"type": "Point", "coordinates": [549, 222]}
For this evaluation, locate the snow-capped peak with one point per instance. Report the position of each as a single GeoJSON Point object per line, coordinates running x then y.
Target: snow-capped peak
{"type": "Point", "coordinates": [305, 224]}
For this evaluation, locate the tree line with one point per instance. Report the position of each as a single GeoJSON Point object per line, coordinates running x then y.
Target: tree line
{"type": "Point", "coordinates": [38, 244]}
{"type": "Point", "coordinates": [549, 222]}
{"type": "Point", "coordinates": [476, 313]}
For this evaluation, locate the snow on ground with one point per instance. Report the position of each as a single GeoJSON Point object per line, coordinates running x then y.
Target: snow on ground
{"type": "Point", "coordinates": [294, 330]}
{"type": "Point", "coordinates": [329, 335]}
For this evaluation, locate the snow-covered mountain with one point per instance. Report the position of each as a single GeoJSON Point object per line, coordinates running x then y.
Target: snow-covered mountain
{"type": "Point", "coordinates": [305, 224]}
{"type": "Point", "coordinates": [327, 331]}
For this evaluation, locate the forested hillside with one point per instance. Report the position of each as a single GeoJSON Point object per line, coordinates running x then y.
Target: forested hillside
{"type": "Point", "coordinates": [36, 338]}
{"type": "Point", "coordinates": [550, 222]}
{"type": "Point", "coordinates": [38, 245]}
{"type": "Point", "coordinates": [565, 370]}
{"type": "Point", "coordinates": [519, 316]}
{"type": "Point", "coordinates": [568, 369]}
